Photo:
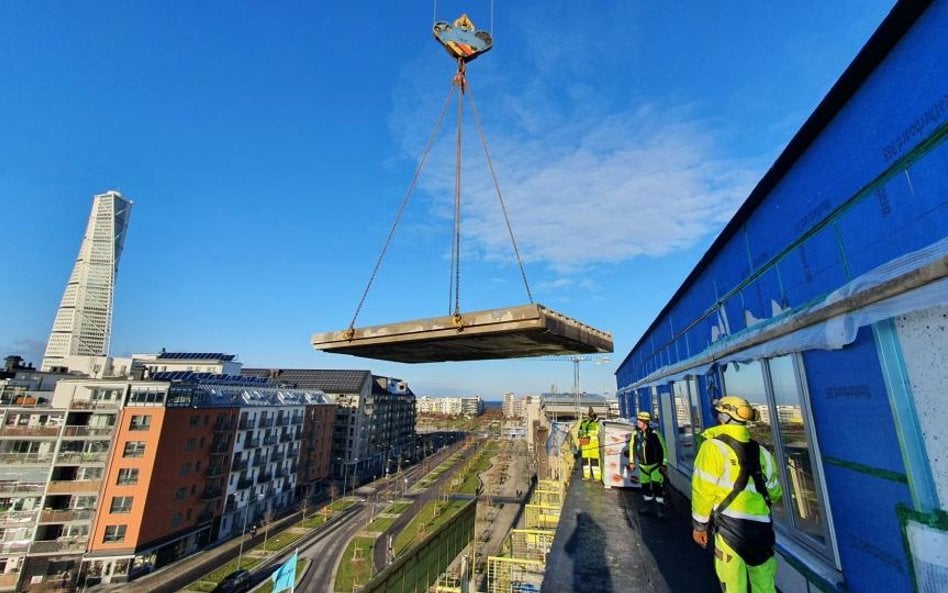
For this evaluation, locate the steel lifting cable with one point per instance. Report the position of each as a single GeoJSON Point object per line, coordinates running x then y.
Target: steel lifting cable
{"type": "Point", "coordinates": [401, 210]}
{"type": "Point", "coordinates": [461, 83]}
{"type": "Point", "coordinates": [500, 197]}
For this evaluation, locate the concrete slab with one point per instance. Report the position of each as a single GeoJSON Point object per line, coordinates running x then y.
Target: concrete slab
{"type": "Point", "coordinates": [512, 332]}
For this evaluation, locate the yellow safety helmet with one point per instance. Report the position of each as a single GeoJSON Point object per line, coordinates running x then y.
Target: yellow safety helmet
{"type": "Point", "coordinates": [644, 416]}
{"type": "Point", "coordinates": [738, 408]}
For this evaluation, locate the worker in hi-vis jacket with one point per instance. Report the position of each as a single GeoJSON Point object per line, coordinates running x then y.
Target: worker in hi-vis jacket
{"type": "Point", "coordinates": [647, 453]}
{"type": "Point", "coordinates": [589, 446]}
{"type": "Point", "coordinates": [732, 487]}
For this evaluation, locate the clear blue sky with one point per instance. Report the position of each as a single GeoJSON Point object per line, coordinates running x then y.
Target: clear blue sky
{"type": "Point", "coordinates": [267, 147]}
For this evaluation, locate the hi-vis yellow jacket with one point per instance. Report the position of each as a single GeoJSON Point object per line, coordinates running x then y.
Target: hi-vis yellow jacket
{"type": "Point", "coordinates": [716, 469]}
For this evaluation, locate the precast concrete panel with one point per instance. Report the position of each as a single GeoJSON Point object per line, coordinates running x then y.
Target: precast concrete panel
{"type": "Point", "coordinates": [923, 337]}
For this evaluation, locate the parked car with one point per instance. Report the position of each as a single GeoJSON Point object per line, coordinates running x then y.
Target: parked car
{"type": "Point", "coordinates": [236, 582]}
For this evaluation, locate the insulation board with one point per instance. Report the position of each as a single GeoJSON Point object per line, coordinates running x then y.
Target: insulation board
{"type": "Point", "coordinates": [511, 332]}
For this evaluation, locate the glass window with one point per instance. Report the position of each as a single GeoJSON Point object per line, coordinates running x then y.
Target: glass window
{"type": "Point", "coordinates": [687, 419]}
{"type": "Point", "coordinates": [114, 533]}
{"type": "Point", "coordinates": [803, 496]}
{"type": "Point", "coordinates": [127, 476]}
{"type": "Point", "coordinates": [140, 423]}
{"type": "Point", "coordinates": [121, 504]}
{"type": "Point", "coordinates": [134, 449]}
{"type": "Point", "coordinates": [774, 388]}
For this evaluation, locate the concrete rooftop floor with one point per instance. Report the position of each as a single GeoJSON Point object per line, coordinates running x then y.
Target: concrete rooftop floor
{"type": "Point", "coordinates": [603, 545]}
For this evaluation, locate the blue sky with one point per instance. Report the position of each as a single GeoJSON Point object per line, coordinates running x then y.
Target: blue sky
{"type": "Point", "coordinates": [267, 147]}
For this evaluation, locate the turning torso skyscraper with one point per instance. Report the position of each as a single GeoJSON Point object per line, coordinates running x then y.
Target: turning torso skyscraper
{"type": "Point", "coordinates": [83, 322]}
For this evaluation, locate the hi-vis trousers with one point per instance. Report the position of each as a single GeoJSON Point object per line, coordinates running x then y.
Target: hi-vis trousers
{"type": "Point", "coordinates": [733, 572]}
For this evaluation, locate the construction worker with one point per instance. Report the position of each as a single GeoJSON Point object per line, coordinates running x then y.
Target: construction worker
{"type": "Point", "coordinates": [589, 446]}
{"type": "Point", "coordinates": [647, 452]}
{"type": "Point", "coordinates": [732, 487]}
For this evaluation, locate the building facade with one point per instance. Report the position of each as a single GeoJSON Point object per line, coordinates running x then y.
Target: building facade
{"type": "Point", "coordinates": [83, 322]}
{"type": "Point", "coordinates": [823, 302]}
{"type": "Point", "coordinates": [374, 425]}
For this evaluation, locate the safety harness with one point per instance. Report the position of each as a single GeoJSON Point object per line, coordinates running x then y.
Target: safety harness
{"type": "Point", "coordinates": [748, 456]}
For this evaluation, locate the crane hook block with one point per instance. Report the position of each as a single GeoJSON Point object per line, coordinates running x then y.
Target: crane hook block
{"type": "Point", "coordinates": [461, 39]}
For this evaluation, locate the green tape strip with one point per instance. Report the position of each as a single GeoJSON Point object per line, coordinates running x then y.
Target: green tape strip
{"type": "Point", "coordinates": [937, 519]}
{"type": "Point", "coordinates": [867, 469]}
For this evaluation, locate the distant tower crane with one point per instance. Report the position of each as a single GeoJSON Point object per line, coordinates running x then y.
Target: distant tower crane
{"type": "Point", "coordinates": [576, 360]}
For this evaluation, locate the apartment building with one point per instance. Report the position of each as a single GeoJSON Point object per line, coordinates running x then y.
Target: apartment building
{"type": "Point", "coordinates": [450, 406]}
{"type": "Point", "coordinates": [105, 479]}
{"type": "Point", "coordinates": [374, 424]}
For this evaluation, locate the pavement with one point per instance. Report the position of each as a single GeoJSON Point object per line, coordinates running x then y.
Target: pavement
{"type": "Point", "coordinates": [602, 544]}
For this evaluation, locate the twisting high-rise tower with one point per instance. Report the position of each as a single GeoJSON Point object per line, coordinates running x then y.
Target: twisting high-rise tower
{"type": "Point", "coordinates": [83, 322]}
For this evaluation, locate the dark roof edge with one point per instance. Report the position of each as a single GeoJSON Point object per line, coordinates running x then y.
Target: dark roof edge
{"type": "Point", "coordinates": [895, 25]}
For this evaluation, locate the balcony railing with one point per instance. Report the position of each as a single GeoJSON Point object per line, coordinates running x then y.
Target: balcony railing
{"type": "Point", "coordinates": [17, 518]}
{"type": "Point", "coordinates": [88, 457]}
{"type": "Point", "coordinates": [239, 464]}
{"type": "Point", "coordinates": [245, 424]}
{"type": "Point", "coordinates": [14, 547]}
{"type": "Point", "coordinates": [65, 515]}
{"type": "Point", "coordinates": [286, 437]}
{"type": "Point", "coordinates": [221, 447]}
{"type": "Point", "coordinates": [223, 426]}
{"type": "Point", "coordinates": [85, 404]}
{"type": "Point", "coordinates": [265, 423]}
{"type": "Point", "coordinates": [211, 493]}
{"type": "Point", "coordinates": [29, 431]}
{"type": "Point", "coordinates": [86, 431]}
{"type": "Point", "coordinates": [58, 545]}
{"type": "Point", "coordinates": [251, 443]}
{"type": "Point", "coordinates": [244, 483]}
{"type": "Point", "coordinates": [214, 471]}
{"type": "Point", "coordinates": [10, 487]}
{"type": "Point", "coordinates": [70, 486]}
{"type": "Point", "coordinates": [257, 462]}
{"type": "Point", "coordinates": [270, 439]}
{"type": "Point", "coordinates": [283, 421]}
{"type": "Point", "coordinates": [25, 458]}
{"type": "Point", "coordinates": [276, 457]}
{"type": "Point", "coordinates": [298, 419]}
{"type": "Point", "coordinates": [263, 478]}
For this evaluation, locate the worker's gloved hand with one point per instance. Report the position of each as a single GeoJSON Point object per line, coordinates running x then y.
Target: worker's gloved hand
{"type": "Point", "coordinates": [700, 537]}
{"type": "Point", "coordinates": [630, 467]}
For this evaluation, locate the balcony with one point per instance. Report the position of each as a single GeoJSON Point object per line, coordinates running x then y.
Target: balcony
{"type": "Point", "coordinates": [265, 423]}
{"type": "Point", "coordinates": [206, 516]}
{"type": "Point", "coordinates": [14, 519]}
{"type": "Point", "coordinates": [19, 547]}
{"type": "Point", "coordinates": [283, 421]}
{"type": "Point", "coordinates": [298, 419]}
{"type": "Point", "coordinates": [251, 443]}
{"type": "Point", "coordinates": [245, 424]}
{"type": "Point", "coordinates": [25, 458]}
{"type": "Point", "coordinates": [211, 493]}
{"type": "Point", "coordinates": [87, 457]}
{"type": "Point", "coordinates": [85, 404]}
{"type": "Point", "coordinates": [270, 439]}
{"type": "Point", "coordinates": [29, 431]}
{"type": "Point", "coordinates": [14, 487]}
{"type": "Point", "coordinates": [264, 478]}
{"type": "Point", "coordinates": [244, 483]}
{"type": "Point", "coordinates": [276, 457]}
{"type": "Point", "coordinates": [286, 437]}
{"type": "Point", "coordinates": [58, 546]}
{"type": "Point", "coordinates": [223, 426]}
{"type": "Point", "coordinates": [65, 515]}
{"type": "Point", "coordinates": [239, 465]}
{"type": "Point", "coordinates": [220, 447]}
{"type": "Point", "coordinates": [86, 431]}
{"type": "Point", "coordinates": [258, 461]}
{"type": "Point", "coordinates": [71, 486]}
{"type": "Point", "coordinates": [214, 471]}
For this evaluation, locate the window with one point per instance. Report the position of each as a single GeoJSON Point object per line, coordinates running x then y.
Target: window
{"type": "Point", "coordinates": [176, 520]}
{"type": "Point", "coordinates": [180, 493]}
{"type": "Point", "coordinates": [114, 533]}
{"type": "Point", "coordinates": [134, 449]}
{"type": "Point", "coordinates": [140, 423]}
{"type": "Point", "coordinates": [776, 388]}
{"type": "Point", "coordinates": [195, 420]}
{"type": "Point", "coordinates": [192, 443]}
{"type": "Point", "coordinates": [687, 419]}
{"type": "Point", "coordinates": [143, 396]}
{"type": "Point", "coordinates": [127, 476]}
{"type": "Point", "coordinates": [121, 504]}
{"type": "Point", "coordinates": [185, 468]}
